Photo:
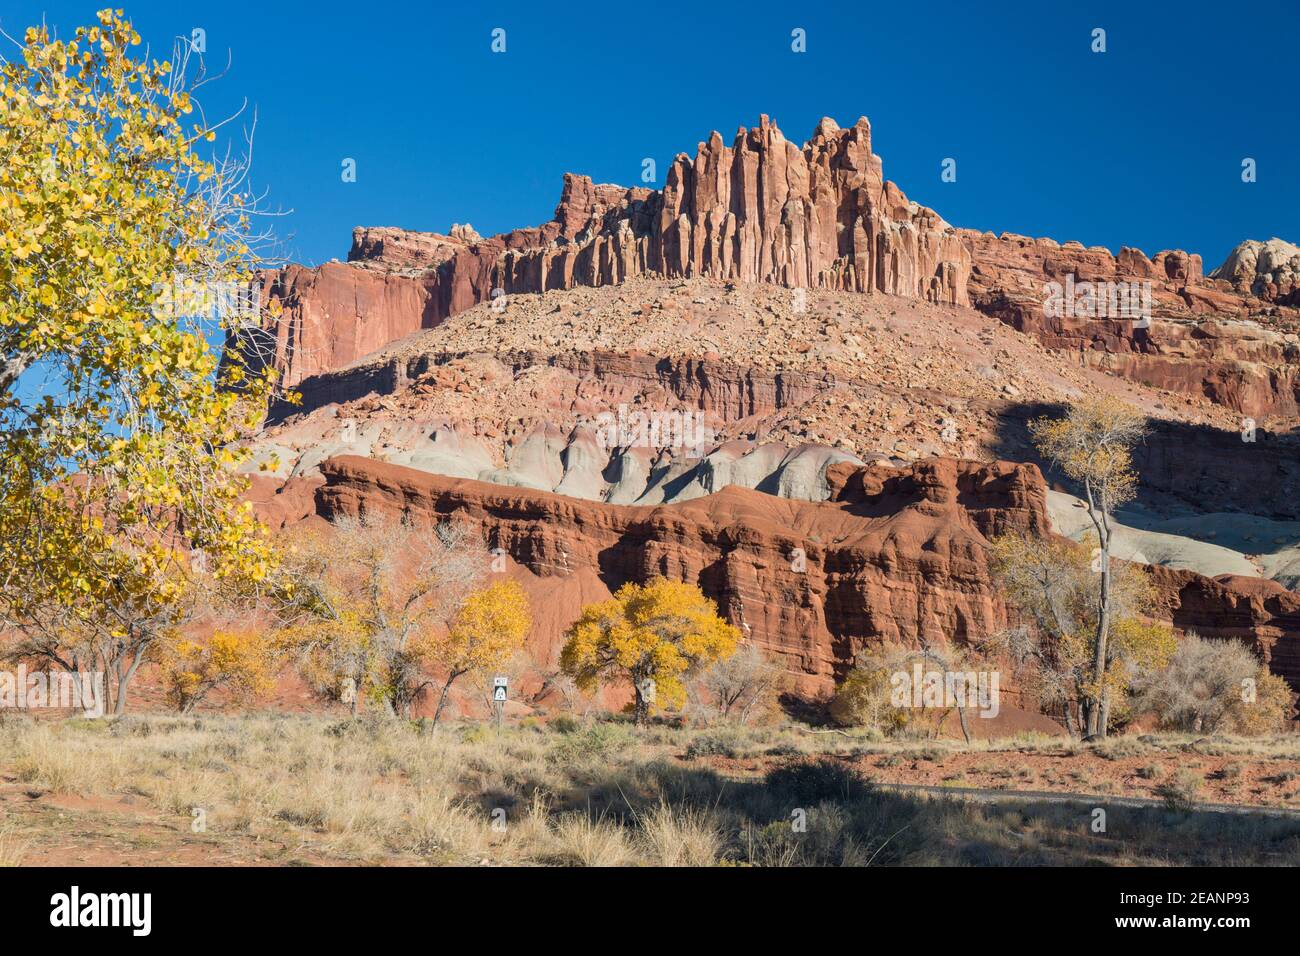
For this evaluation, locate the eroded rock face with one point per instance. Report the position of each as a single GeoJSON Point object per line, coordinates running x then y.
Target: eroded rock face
{"type": "Point", "coordinates": [1267, 270]}
{"type": "Point", "coordinates": [1261, 613]}
{"type": "Point", "coordinates": [599, 439]}
{"type": "Point", "coordinates": [709, 384]}
{"type": "Point", "coordinates": [895, 554]}
{"type": "Point", "coordinates": [1206, 337]}
{"type": "Point", "coordinates": [760, 210]}
{"type": "Point", "coordinates": [1020, 267]}
{"type": "Point", "coordinates": [333, 315]}
{"type": "Point", "coordinates": [891, 555]}
{"type": "Point", "coordinates": [403, 249]}
{"type": "Point", "coordinates": [764, 210]}
{"type": "Point", "coordinates": [820, 215]}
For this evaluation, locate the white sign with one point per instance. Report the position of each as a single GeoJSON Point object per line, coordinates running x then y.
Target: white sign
{"type": "Point", "coordinates": [499, 694]}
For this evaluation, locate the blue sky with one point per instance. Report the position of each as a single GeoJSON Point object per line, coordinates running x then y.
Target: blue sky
{"type": "Point", "coordinates": [1141, 145]}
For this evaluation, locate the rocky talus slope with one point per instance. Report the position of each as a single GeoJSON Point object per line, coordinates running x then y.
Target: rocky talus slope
{"type": "Point", "coordinates": [820, 216]}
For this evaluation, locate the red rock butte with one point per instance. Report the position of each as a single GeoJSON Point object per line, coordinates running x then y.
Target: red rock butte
{"type": "Point", "coordinates": [458, 375]}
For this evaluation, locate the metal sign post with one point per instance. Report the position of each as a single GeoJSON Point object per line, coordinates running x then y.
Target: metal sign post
{"type": "Point", "coordinates": [500, 687]}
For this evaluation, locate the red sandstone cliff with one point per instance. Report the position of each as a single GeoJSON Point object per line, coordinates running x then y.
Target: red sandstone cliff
{"type": "Point", "coordinates": [819, 216]}
{"type": "Point", "coordinates": [895, 555]}
{"type": "Point", "coordinates": [760, 210]}
{"type": "Point", "coordinates": [1207, 337]}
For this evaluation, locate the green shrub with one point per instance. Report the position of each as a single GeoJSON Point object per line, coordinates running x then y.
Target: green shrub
{"type": "Point", "coordinates": [595, 743]}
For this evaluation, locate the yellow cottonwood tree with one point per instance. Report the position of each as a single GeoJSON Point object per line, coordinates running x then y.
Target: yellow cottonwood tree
{"type": "Point", "coordinates": [141, 598]}
{"type": "Point", "coordinates": [661, 632]}
{"type": "Point", "coordinates": [490, 627]}
{"type": "Point", "coordinates": [119, 423]}
{"type": "Point", "coordinates": [238, 661]}
{"type": "Point", "coordinates": [1052, 583]}
{"type": "Point", "coordinates": [367, 601]}
{"type": "Point", "coordinates": [1093, 444]}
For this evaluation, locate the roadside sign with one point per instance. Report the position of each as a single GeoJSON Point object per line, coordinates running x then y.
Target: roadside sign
{"type": "Point", "coordinates": [500, 687]}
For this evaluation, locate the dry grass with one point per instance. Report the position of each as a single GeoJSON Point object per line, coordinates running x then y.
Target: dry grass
{"type": "Point", "coordinates": [680, 836]}
{"type": "Point", "coordinates": [68, 762]}
{"type": "Point", "coordinates": [12, 850]}
{"type": "Point", "coordinates": [603, 794]}
{"type": "Point", "coordinates": [581, 841]}
{"type": "Point", "coordinates": [1182, 792]}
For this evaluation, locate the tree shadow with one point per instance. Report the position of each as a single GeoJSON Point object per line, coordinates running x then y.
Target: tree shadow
{"type": "Point", "coordinates": [826, 813]}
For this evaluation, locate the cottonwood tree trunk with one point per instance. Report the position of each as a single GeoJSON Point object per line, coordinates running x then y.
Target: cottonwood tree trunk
{"type": "Point", "coordinates": [961, 718]}
{"type": "Point", "coordinates": [1098, 705]}
{"type": "Point", "coordinates": [641, 709]}
{"type": "Point", "coordinates": [1071, 723]}
{"type": "Point", "coordinates": [942, 660]}
{"type": "Point", "coordinates": [124, 677]}
{"type": "Point", "coordinates": [442, 697]}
